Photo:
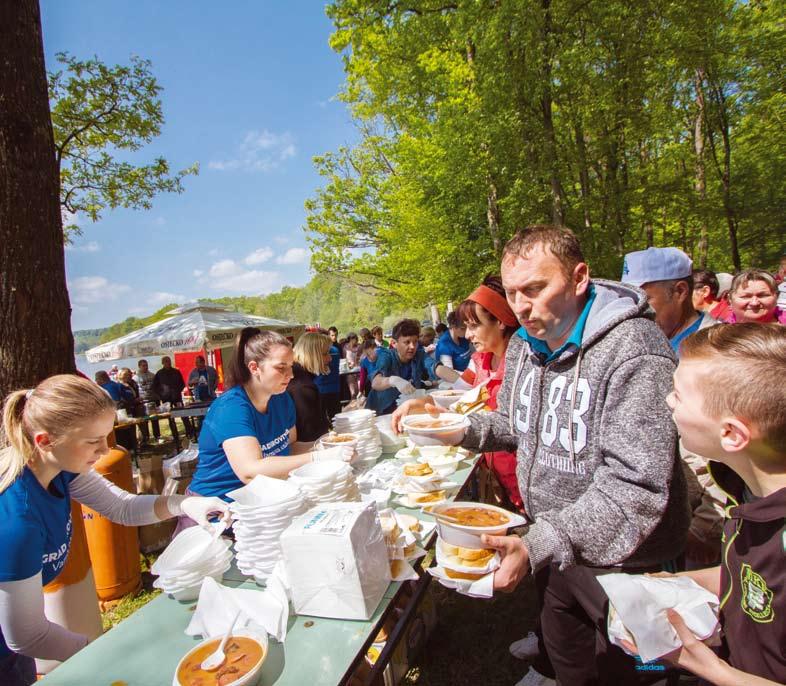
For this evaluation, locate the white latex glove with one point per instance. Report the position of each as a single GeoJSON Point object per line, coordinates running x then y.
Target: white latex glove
{"type": "Point", "coordinates": [431, 348]}
{"type": "Point", "coordinates": [344, 453]}
{"type": "Point", "coordinates": [199, 509]}
{"type": "Point", "coordinates": [402, 385]}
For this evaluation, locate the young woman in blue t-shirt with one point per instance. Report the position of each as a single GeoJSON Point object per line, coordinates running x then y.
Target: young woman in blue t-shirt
{"type": "Point", "coordinates": [57, 432]}
{"type": "Point", "coordinates": [251, 428]}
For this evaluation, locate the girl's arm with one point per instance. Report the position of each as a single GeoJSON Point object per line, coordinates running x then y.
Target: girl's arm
{"type": "Point", "coordinates": [25, 627]}
{"type": "Point", "coordinates": [126, 508]}
{"type": "Point", "coordinates": [245, 456]}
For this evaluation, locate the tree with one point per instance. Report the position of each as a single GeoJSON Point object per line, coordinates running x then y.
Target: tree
{"type": "Point", "coordinates": [98, 112]}
{"type": "Point", "coordinates": [34, 305]}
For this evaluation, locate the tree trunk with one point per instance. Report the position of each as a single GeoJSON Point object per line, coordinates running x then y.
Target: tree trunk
{"type": "Point", "coordinates": [34, 307]}
{"type": "Point", "coordinates": [701, 172]}
{"type": "Point", "coordinates": [493, 216]}
{"type": "Point", "coordinates": [584, 179]}
{"type": "Point", "coordinates": [546, 107]}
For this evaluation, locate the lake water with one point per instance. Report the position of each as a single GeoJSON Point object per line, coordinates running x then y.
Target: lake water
{"type": "Point", "coordinates": [90, 368]}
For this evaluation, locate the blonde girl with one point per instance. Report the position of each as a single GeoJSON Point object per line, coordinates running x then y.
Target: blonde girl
{"type": "Point", "coordinates": [57, 431]}
{"type": "Point", "coordinates": [312, 358]}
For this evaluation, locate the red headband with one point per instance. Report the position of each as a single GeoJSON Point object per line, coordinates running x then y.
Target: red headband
{"type": "Point", "coordinates": [494, 303]}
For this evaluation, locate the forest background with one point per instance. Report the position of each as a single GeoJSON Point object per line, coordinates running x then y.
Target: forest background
{"type": "Point", "coordinates": [635, 124]}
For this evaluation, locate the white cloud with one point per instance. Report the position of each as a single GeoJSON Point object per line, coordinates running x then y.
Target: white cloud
{"type": "Point", "coordinates": [293, 256]}
{"type": "Point", "coordinates": [160, 298]}
{"type": "Point", "coordinates": [259, 256]}
{"type": "Point", "coordinates": [281, 240]}
{"type": "Point", "coordinates": [228, 275]}
{"type": "Point", "coordinates": [87, 290]}
{"type": "Point", "coordinates": [198, 272]}
{"type": "Point", "coordinates": [90, 246]}
{"type": "Point", "coordinates": [259, 151]}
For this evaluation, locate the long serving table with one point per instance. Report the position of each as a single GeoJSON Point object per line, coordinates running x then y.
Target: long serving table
{"type": "Point", "coordinates": [144, 649]}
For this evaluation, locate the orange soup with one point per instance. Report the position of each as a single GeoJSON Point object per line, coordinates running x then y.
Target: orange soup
{"type": "Point", "coordinates": [430, 423]}
{"type": "Point", "coordinates": [242, 655]}
{"type": "Point", "coordinates": [475, 516]}
{"type": "Point", "coordinates": [339, 438]}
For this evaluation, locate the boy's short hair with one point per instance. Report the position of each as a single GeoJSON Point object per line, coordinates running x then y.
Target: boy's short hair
{"type": "Point", "coordinates": [454, 321]}
{"type": "Point", "coordinates": [744, 375]}
{"type": "Point", "coordinates": [406, 327]}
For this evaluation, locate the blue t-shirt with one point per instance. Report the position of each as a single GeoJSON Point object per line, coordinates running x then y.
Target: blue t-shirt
{"type": "Point", "coordinates": [389, 364]}
{"type": "Point", "coordinates": [677, 340]}
{"type": "Point", "coordinates": [458, 352]}
{"type": "Point", "coordinates": [36, 530]}
{"type": "Point", "coordinates": [233, 415]}
{"type": "Point", "coordinates": [118, 391]}
{"type": "Point", "coordinates": [330, 382]}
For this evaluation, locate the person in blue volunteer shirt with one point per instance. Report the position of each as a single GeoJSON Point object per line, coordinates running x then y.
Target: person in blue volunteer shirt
{"type": "Point", "coordinates": [57, 431]}
{"type": "Point", "coordinates": [203, 380]}
{"type": "Point", "coordinates": [400, 368]}
{"type": "Point", "coordinates": [453, 349]}
{"type": "Point", "coordinates": [329, 385]}
{"type": "Point", "coordinates": [251, 428]}
{"type": "Point", "coordinates": [117, 391]}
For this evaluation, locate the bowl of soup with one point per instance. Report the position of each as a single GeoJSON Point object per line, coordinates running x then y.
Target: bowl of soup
{"type": "Point", "coordinates": [464, 522]}
{"type": "Point", "coordinates": [245, 651]}
{"type": "Point", "coordinates": [446, 398]}
{"type": "Point", "coordinates": [445, 428]}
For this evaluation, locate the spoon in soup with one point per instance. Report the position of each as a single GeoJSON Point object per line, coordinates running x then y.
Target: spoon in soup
{"type": "Point", "coordinates": [217, 657]}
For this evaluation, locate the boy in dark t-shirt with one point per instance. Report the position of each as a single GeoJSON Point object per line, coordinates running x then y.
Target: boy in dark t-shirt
{"type": "Point", "coordinates": [729, 404]}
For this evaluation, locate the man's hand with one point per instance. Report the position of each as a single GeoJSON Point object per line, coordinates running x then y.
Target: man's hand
{"type": "Point", "coordinates": [515, 561]}
{"type": "Point", "coordinates": [401, 385]}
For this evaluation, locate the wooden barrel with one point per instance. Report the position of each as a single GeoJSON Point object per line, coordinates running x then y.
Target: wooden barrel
{"type": "Point", "coordinates": [114, 549]}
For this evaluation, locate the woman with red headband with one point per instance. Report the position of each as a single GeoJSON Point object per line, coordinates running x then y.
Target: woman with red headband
{"type": "Point", "coordinates": [490, 324]}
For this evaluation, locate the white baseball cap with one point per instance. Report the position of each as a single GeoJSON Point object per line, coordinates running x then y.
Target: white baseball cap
{"type": "Point", "coordinates": [655, 264]}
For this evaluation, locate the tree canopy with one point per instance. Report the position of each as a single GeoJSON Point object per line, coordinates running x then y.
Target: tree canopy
{"type": "Point", "coordinates": [100, 115]}
{"type": "Point", "coordinates": [635, 124]}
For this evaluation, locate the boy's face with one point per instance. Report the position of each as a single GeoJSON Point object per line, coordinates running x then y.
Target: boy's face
{"type": "Point", "coordinates": [700, 433]}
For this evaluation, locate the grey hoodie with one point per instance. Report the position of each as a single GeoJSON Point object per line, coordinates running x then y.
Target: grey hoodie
{"type": "Point", "coordinates": [598, 470]}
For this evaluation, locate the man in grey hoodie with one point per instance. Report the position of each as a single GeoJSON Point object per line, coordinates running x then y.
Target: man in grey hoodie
{"type": "Point", "coordinates": [583, 405]}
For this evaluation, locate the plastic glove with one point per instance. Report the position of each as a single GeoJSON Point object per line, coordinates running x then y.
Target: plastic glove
{"type": "Point", "coordinates": [402, 385]}
{"type": "Point", "coordinates": [199, 509]}
{"type": "Point", "coordinates": [344, 453]}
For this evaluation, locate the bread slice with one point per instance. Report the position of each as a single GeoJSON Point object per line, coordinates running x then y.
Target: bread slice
{"type": "Point", "coordinates": [410, 522]}
{"type": "Point", "coordinates": [417, 469]}
{"type": "Point", "coordinates": [470, 576]}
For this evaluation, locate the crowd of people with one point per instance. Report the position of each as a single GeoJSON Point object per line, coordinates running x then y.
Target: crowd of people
{"type": "Point", "coordinates": [638, 424]}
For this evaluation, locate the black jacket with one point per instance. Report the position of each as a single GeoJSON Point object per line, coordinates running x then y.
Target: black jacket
{"type": "Point", "coordinates": [168, 384]}
{"type": "Point", "coordinates": [312, 419]}
{"type": "Point", "coordinates": [753, 585]}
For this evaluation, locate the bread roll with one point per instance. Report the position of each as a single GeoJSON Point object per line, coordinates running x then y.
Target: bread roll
{"type": "Point", "coordinates": [453, 574]}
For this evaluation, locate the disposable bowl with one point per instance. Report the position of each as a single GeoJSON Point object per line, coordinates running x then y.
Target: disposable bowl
{"type": "Point", "coordinates": [318, 472]}
{"type": "Point", "coordinates": [447, 435]}
{"type": "Point", "coordinates": [469, 536]}
{"type": "Point", "coordinates": [247, 679]}
{"type": "Point", "coordinates": [446, 398]}
{"type": "Point", "coordinates": [188, 550]}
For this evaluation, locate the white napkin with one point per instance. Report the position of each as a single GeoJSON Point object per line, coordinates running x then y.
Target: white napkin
{"type": "Point", "coordinates": [640, 603]}
{"type": "Point", "coordinates": [482, 588]}
{"type": "Point", "coordinates": [263, 610]}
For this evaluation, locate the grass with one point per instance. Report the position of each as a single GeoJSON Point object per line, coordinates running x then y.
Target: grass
{"type": "Point", "coordinates": [133, 601]}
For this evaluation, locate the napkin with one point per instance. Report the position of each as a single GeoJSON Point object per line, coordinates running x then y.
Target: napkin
{"type": "Point", "coordinates": [218, 604]}
{"type": "Point", "coordinates": [640, 603]}
{"type": "Point", "coordinates": [482, 588]}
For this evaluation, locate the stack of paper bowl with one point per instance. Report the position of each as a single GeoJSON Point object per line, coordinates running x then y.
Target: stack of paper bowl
{"type": "Point", "coordinates": [361, 423]}
{"type": "Point", "coordinates": [326, 482]}
{"type": "Point", "coordinates": [188, 559]}
{"type": "Point", "coordinates": [391, 442]}
{"type": "Point", "coordinates": [261, 510]}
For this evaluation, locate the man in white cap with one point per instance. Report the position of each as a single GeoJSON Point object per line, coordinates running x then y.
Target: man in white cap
{"type": "Point", "coordinates": [666, 276]}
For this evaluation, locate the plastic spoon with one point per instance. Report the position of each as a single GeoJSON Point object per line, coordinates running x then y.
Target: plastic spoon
{"type": "Point", "coordinates": [216, 658]}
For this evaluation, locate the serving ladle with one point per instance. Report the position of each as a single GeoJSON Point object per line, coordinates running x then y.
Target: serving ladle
{"type": "Point", "coordinates": [217, 657]}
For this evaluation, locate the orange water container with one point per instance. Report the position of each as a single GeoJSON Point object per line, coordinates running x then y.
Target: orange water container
{"type": "Point", "coordinates": [114, 548]}
{"type": "Point", "coordinates": [70, 599]}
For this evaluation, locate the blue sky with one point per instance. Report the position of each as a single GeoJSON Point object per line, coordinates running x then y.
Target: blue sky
{"type": "Point", "coordinates": [249, 92]}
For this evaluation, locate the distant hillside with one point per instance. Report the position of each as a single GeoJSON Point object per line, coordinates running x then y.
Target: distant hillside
{"type": "Point", "coordinates": [324, 299]}
{"type": "Point", "coordinates": [86, 339]}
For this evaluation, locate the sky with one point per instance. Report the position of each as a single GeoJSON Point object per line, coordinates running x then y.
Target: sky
{"type": "Point", "coordinates": [249, 92]}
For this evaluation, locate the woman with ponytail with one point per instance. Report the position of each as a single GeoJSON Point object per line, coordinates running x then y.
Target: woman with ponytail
{"type": "Point", "coordinates": [56, 432]}
{"type": "Point", "coordinates": [251, 428]}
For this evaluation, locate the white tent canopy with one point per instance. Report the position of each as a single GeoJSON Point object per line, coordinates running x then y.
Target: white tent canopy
{"type": "Point", "coordinates": [191, 327]}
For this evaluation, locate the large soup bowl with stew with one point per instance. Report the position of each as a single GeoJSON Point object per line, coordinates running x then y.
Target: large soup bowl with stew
{"type": "Point", "coordinates": [446, 428]}
{"type": "Point", "coordinates": [464, 522]}
{"type": "Point", "coordinates": [246, 652]}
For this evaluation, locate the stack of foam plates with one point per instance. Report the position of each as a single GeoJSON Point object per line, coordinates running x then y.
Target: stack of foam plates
{"type": "Point", "coordinates": [193, 555]}
{"type": "Point", "coordinates": [326, 482]}
{"type": "Point", "coordinates": [361, 423]}
{"type": "Point", "coordinates": [390, 441]}
{"type": "Point", "coordinates": [261, 510]}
